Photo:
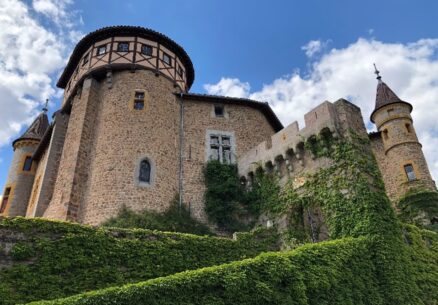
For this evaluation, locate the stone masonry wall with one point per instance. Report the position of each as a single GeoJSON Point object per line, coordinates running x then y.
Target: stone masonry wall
{"type": "Point", "coordinates": [123, 137]}
{"type": "Point", "coordinates": [248, 125]}
{"type": "Point", "coordinates": [47, 171]}
{"type": "Point", "coordinates": [70, 185]}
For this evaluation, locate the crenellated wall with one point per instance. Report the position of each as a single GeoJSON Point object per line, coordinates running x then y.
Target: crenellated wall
{"type": "Point", "coordinates": [284, 153]}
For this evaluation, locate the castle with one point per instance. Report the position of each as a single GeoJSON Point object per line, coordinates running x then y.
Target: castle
{"type": "Point", "coordinates": [130, 133]}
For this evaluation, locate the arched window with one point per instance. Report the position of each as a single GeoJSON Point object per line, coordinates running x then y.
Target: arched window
{"type": "Point", "coordinates": [144, 172]}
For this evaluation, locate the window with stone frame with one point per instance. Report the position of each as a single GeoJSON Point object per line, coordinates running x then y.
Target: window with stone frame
{"type": "Point", "coordinates": [410, 173]}
{"type": "Point", "coordinates": [219, 111]}
{"type": "Point", "coordinates": [27, 164]}
{"type": "Point", "coordinates": [139, 100]}
{"type": "Point", "coordinates": [144, 175]}
{"type": "Point", "coordinates": [221, 148]}
{"type": "Point", "coordinates": [5, 200]}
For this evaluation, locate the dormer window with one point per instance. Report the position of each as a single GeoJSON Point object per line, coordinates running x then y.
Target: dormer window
{"type": "Point", "coordinates": [101, 50]}
{"type": "Point", "coordinates": [410, 173]}
{"type": "Point", "coordinates": [123, 47]}
{"type": "Point", "coordinates": [146, 50]}
{"type": "Point", "coordinates": [167, 59]}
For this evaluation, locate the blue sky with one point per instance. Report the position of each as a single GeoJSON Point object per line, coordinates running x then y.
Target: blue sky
{"type": "Point", "coordinates": [293, 54]}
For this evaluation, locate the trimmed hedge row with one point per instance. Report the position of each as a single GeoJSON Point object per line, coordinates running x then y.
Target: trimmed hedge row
{"type": "Point", "coordinates": [52, 259]}
{"type": "Point", "coordinates": [328, 273]}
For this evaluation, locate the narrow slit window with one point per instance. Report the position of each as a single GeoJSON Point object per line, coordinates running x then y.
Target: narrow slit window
{"type": "Point", "coordinates": [146, 50]}
{"type": "Point", "coordinates": [101, 50]}
{"type": "Point", "coordinates": [123, 47]}
{"type": "Point", "coordinates": [139, 100]}
{"type": "Point", "coordinates": [385, 134]}
{"type": "Point", "coordinates": [167, 59]}
{"type": "Point", "coordinates": [145, 172]}
{"type": "Point", "coordinates": [27, 166]}
{"type": "Point", "coordinates": [409, 170]}
{"type": "Point", "coordinates": [5, 200]}
{"type": "Point", "coordinates": [408, 128]}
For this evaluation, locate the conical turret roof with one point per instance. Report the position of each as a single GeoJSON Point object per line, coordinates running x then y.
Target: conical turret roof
{"type": "Point", "coordinates": [36, 129]}
{"type": "Point", "coordinates": [385, 96]}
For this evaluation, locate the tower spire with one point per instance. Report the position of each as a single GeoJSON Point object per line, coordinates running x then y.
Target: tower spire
{"type": "Point", "coordinates": [377, 72]}
{"type": "Point", "coordinates": [45, 109]}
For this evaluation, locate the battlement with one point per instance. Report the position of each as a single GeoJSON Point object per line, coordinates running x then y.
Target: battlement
{"type": "Point", "coordinates": [284, 152]}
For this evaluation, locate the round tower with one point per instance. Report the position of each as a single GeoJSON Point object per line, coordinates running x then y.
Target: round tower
{"type": "Point", "coordinates": [22, 169]}
{"type": "Point", "coordinates": [405, 165]}
{"type": "Point", "coordinates": [122, 145]}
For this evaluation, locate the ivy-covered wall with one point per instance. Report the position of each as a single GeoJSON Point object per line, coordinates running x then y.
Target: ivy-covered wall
{"type": "Point", "coordinates": [41, 259]}
{"type": "Point", "coordinates": [343, 272]}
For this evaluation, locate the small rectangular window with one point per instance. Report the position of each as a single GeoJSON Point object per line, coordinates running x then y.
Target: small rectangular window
{"type": "Point", "coordinates": [123, 47]}
{"type": "Point", "coordinates": [139, 100]}
{"type": "Point", "coordinates": [101, 50]}
{"type": "Point", "coordinates": [180, 71]}
{"type": "Point", "coordinates": [408, 128]}
{"type": "Point", "coordinates": [86, 58]}
{"type": "Point", "coordinates": [409, 170]}
{"type": "Point", "coordinates": [27, 166]}
{"type": "Point", "coordinates": [146, 50]}
{"type": "Point", "coordinates": [167, 59]}
{"type": "Point", "coordinates": [219, 111]}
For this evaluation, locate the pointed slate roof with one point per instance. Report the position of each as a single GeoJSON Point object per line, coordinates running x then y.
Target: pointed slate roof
{"type": "Point", "coordinates": [36, 130]}
{"type": "Point", "coordinates": [385, 96]}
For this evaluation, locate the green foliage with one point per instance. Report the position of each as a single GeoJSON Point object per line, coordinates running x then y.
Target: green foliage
{"type": "Point", "coordinates": [329, 273]}
{"type": "Point", "coordinates": [174, 219]}
{"type": "Point", "coordinates": [225, 202]}
{"type": "Point", "coordinates": [22, 251]}
{"type": "Point", "coordinates": [62, 259]}
{"type": "Point", "coordinates": [418, 206]}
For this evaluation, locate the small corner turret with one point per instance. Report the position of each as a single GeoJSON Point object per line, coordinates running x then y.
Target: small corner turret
{"type": "Point", "coordinates": [400, 155]}
{"type": "Point", "coordinates": [22, 169]}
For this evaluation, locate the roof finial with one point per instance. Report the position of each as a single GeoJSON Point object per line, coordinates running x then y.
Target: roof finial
{"type": "Point", "coordinates": [377, 72]}
{"type": "Point", "coordinates": [45, 109]}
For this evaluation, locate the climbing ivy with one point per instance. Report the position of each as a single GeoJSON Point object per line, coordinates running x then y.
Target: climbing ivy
{"type": "Point", "coordinates": [419, 207]}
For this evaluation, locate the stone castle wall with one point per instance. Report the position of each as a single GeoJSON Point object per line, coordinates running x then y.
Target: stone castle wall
{"type": "Point", "coordinates": [284, 153]}
{"type": "Point", "coordinates": [47, 169]}
{"type": "Point", "coordinates": [248, 126]}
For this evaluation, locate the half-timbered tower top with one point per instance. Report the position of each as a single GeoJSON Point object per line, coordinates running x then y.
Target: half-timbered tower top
{"type": "Point", "coordinates": [126, 47]}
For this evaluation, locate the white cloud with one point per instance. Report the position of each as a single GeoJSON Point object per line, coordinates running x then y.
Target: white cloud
{"type": "Point", "coordinates": [229, 86]}
{"type": "Point", "coordinates": [411, 70]}
{"type": "Point", "coordinates": [31, 55]}
{"type": "Point", "coordinates": [312, 47]}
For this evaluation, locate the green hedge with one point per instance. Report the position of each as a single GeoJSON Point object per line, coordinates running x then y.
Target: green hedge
{"type": "Point", "coordinates": [344, 271]}
{"type": "Point", "coordinates": [57, 259]}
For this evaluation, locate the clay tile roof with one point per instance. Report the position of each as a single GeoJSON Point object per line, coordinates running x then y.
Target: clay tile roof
{"type": "Point", "coordinates": [385, 96]}
{"type": "Point", "coordinates": [36, 130]}
{"type": "Point", "coordinates": [262, 106]}
{"type": "Point", "coordinates": [124, 30]}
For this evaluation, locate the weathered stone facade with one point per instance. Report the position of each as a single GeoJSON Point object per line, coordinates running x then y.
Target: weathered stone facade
{"type": "Point", "coordinates": [124, 108]}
